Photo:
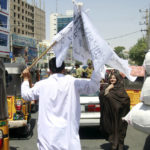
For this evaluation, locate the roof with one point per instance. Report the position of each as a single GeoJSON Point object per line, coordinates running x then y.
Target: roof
{"type": "Point", "coordinates": [137, 71]}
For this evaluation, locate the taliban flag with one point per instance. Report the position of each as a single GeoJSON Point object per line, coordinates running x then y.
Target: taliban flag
{"type": "Point", "coordinates": [87, 44]}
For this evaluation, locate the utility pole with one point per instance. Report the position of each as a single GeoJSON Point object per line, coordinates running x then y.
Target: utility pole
{"type": "Point", "coordinates": [148, 30]}
{"type": "Point", "coordinates": [147, 23]}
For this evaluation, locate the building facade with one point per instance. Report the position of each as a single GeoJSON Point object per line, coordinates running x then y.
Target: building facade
{"type": "Point", "coordinates": [27, 29]}
{"type": "Point", "coordinates": [4, 29]}
{"type": "Point", "coordinates": [59, 21]}
{"type": "Point", "coordinates": [27, 20]}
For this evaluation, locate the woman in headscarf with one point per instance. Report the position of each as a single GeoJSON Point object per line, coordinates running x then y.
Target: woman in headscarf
{"type": "Point", "coordinates": [115, 104]}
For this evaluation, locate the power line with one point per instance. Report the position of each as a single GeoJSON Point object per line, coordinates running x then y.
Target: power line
{"type": "Point", "coordinates": [123, 35]}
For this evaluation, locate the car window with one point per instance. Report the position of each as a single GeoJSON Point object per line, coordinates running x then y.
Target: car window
{"type": "Point", "coordinates": [91, 95]}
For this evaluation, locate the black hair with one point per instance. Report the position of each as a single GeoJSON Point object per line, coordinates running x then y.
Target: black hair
{"type": "Point", "coordinates": [119, 78]}
{"type": "Point", "coordinates": [77, 65]}
{"type": "Point", "coordinates": [53, 68]}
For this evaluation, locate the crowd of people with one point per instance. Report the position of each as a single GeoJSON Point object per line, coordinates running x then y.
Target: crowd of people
{"type": "Point", "coordinates": [58, 126]}
{"type": "Point", "coordinates": [83, 72]}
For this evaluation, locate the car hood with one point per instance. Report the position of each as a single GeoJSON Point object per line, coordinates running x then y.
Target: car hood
{"type": "Point", "coordinates": [89, 99]}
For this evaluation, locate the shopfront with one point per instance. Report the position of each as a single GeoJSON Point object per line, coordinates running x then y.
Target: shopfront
{"type": "Point", "coordinates": [24, 49]}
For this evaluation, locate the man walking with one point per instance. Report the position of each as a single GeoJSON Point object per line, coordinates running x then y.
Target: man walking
{"type": "Point", "coordinates": [59, 106]}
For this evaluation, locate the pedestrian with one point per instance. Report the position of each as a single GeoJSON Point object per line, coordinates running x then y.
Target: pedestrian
{"type": "Point", "coordinates": [59, 106]}
{"type": "Point", "coordinates": [79, 71]}
{"type": "Point", "coordinates": [89, 70]}
{"type": "Point", "coordinates": [115, 104]}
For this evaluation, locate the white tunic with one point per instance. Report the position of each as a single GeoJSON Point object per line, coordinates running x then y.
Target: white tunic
{"type": "Point", "coordinates": [59, 109]}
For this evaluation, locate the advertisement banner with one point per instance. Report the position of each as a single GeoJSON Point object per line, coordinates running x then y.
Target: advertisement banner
{"type": "Point", "coordinates": [32, 54]}
{"type": "Point", "coordinates": [23, 41]}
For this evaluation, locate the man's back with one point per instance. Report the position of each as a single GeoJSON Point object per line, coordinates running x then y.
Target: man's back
{"type": "Point", "coordinates": [59, 109]}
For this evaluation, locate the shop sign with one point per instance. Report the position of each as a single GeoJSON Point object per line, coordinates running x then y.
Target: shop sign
{"type": "Point", "coordinates": [23, 41]}
{"type": "Point", "coordinates": [11, 55]}
{"type": "Point", "coordinates": [32, 54]}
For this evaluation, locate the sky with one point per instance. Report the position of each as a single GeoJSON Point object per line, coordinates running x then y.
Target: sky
{"type": "Point", "coordinates": [111, 18]}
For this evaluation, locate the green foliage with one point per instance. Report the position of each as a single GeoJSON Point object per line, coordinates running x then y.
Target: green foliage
{"type": "Point", "coordinates": [119, 51]}
{"type": "Point", "coordinates": [137, 52]}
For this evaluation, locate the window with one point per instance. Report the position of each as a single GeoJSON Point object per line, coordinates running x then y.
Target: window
{"type": "Point", "coordinates": [3, 39]}
{"type": "Point", "coordinates": [63, 22]}
{"type": "Point", "coordinates": [15, 30]}
{"type": "Point", "coordinates": [3, 4]}
{"type": "Point", "coordinates": [3, 21]}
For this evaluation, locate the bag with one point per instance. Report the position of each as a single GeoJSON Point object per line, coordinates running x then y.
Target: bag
{"type": "Point", "coordinates": [139, 117]}
{"type": "Point", "coordinates": [145, 93]}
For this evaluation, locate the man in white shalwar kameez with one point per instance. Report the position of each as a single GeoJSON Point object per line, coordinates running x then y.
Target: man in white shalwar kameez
{"type": "Point", "coordinates": [59, 106]}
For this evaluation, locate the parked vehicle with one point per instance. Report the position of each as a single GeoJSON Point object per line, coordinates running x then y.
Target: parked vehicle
{"type": "Point", "coordinates": [19, 111]}
{"type": "Point", "coordinates": [44, 74]}
{"type": "Point", "coordinates": [90, 110]}
{"type": "Point", "coordinates": [4, 131]}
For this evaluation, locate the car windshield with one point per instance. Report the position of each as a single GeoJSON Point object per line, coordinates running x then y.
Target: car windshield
{"type": "Point", "coordinates": [91, 95]}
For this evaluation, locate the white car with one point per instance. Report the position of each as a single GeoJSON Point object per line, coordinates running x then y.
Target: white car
{"type": "Point", "coordinates": [90, 110]}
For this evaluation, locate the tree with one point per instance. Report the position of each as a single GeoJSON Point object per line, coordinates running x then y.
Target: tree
{"type": "Point", "coordinates": [137, 52]}
{"type": "Point", "coordinates": [119, 51]}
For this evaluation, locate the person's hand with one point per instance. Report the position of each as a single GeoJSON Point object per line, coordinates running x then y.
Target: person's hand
{"type": "Point", "coordinates": [26, 74]}
{"type": "Point", "coordinates": [110, 86]}
{"type": "Point", "coordinates": [108, 89]}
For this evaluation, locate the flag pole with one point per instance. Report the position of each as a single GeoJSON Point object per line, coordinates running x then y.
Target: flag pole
{"type": "Point", "coordinates": [38, 58]}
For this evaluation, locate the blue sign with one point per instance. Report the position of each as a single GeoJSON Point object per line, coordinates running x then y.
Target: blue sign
{"type": "Point", "coordinates": [32, 54]}
{"type": "Point", "coordinates": [11, 55]}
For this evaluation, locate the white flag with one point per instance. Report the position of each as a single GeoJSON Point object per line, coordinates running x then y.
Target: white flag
{"type": "Point", "coordinates": [121, 65]}
{"type": "Point", "coordinates": [87, 44]}
{"type": "Point", "coordinates": [79, 43]}
{"type": "Point", "coordinates": [64, 40]}
{"type": "Point", "coordinates": [100, 52]}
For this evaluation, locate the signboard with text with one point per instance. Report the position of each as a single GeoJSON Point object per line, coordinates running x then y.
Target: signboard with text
{"type": "Point", "coordinates": [23, 41]}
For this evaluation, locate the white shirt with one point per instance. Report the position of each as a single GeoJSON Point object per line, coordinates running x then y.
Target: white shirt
{"type": "Point", "coordinates": [59, 109]}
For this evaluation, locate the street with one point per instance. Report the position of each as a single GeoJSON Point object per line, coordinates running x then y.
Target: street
{"type": "Point", "coordinates": [90, 139]}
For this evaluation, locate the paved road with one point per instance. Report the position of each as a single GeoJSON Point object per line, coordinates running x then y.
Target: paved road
{"type": "Point", "coordinates": [90, 139]}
